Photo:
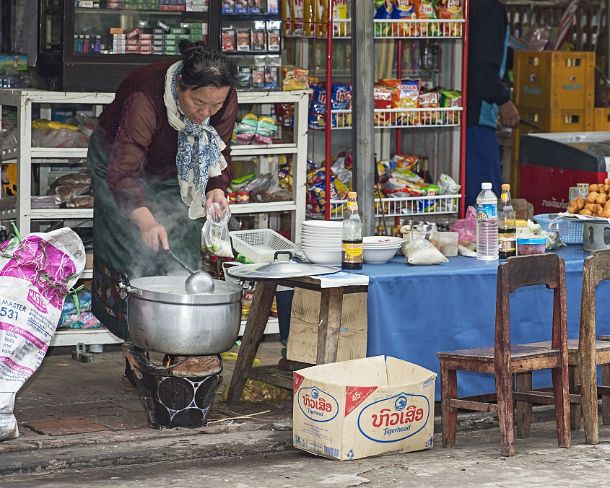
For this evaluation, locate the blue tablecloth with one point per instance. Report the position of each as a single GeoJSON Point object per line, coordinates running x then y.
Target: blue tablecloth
{"type": "Point", "coordinates": [416, 311]}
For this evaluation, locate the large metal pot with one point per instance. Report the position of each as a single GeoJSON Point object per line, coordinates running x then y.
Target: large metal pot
{"type": "Point", "coordinates": [162, 317]}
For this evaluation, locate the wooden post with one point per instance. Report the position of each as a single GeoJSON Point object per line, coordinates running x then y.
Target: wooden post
{"type": "Point", "coordinates": [363, 132]}
{"type": "Point", "coordinates": [331, 306]}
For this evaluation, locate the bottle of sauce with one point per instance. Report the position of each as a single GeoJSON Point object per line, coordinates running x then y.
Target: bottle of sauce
{"type": "Point", "coordinates": [507, 231]}
{"type": "Point", "coordinates": [352, 255]}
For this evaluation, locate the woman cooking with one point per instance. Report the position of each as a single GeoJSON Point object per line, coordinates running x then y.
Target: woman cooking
{"type": "Point", "coordinates": [159, 157]}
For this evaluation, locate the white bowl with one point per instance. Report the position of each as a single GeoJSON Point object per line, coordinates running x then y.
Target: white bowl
{"type": "Point", "coordinates": [382, 241]}
{"type": "Point", "coordinates": [318, 256]}
{"type": "Point", "coordinates": [316, 242]}
{"type": "Point", "coordinates": [378, 255]}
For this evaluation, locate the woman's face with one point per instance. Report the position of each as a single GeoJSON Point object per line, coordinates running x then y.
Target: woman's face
{"type": "Point", "coordinates": [200, 103]}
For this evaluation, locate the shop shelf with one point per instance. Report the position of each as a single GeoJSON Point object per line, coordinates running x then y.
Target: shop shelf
{"type": "Point", "coordinates": [342, 29]}
{"type": "Point", "coordinates": [72, 337]}
{"type": "Point", "coordinates": [245, 150]}
{"type": "Point", "coordinates": [419, 29]}
{"type": "Point", "coordinates": [398, 118]}
{"type": "Point", "coordinates": [406, 207]}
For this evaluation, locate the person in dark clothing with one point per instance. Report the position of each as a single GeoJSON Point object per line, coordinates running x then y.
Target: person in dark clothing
{"type": "Point", "coordinates": [488, 96]}
{"type": "Point", "coordinates": [159, 157]}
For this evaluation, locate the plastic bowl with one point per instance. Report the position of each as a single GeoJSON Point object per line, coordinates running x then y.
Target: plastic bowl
{"type": "Point", "coordinates": [531, 245]}
{"type": "Point", "coordinates": [379, 255]}
{"type": "Point", "coordinates": [323, 256]}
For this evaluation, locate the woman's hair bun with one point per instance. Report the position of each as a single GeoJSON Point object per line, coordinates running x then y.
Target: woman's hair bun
{"type": "Point", "coordinates": [187, 47]}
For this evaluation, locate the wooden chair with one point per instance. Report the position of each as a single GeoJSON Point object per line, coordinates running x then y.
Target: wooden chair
{"type": "Point", "coordinates": [504, 360]}
{"type": "Point", "coordinates": [584, 355]}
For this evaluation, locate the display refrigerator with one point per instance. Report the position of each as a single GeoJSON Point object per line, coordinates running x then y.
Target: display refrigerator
{"type": "Point", "coordinates": [91, 45]}
{"type": "Point", "coordinates": [552, 163]}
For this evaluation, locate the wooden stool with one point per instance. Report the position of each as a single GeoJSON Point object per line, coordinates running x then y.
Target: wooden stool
{"type": "Point", "coordinates": [328, 333]}
{"type": "Point", "coordinates": [503, 360]}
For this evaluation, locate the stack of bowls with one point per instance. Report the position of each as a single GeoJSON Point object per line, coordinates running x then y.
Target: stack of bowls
{"type": "Point", "coordinates": [321, 241]}
{"type": "Point", "coordinates": [380, 249]}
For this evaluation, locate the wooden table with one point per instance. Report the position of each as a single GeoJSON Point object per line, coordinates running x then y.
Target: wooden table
{"type": "Point", "coordinates": [331, 305]}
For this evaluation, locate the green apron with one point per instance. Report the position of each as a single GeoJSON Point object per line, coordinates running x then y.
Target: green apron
{"type": "Point", "coordinates": [118, 250]}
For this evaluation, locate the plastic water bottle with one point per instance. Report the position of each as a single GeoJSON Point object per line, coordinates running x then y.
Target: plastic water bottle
{"type": "Point", "coordinates": [487, 224]}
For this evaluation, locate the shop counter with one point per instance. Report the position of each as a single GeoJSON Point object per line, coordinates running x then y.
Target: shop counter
{"type": "Point", "coordinates": [417, 311]}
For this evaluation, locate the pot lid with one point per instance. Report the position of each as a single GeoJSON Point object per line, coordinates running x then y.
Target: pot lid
{"type": "Point", "coordinates": [171, 289]}
{"type": "Point", "coordinates": [279, 269]}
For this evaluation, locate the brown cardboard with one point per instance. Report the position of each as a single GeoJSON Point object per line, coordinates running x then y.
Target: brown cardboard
{"type": "Point", "coordinates": [303, 337]}
{"type": "Point", "coordinates": [366, 407]}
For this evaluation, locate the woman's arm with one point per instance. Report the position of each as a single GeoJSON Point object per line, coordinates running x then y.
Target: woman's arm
{"type": "Point", "coordinates": [129, 155]}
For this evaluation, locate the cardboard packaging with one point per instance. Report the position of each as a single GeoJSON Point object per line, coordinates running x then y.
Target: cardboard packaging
{"type": "Point", "coordinates": [304, 319]}
{"type": "Point", "coordinates": [361, 408]}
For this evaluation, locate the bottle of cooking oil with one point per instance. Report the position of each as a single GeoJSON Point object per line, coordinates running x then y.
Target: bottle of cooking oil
{"type": "Point", "coordinates": [507, 232]}
{"type": "Point", "coordinates": [352, 256]}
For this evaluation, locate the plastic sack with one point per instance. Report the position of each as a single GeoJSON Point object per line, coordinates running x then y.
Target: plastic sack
{"type": "Point", "coordinates": [466, 228]}
{"type": "Point", "coordinates": [215, 232]}
{"type": "Point", "coordinates": [423, 252]}
{"type": "Point", "coordinates": [36, 274]}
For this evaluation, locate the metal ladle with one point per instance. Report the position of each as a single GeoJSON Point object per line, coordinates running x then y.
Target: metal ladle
{"type": "Point", "coordinates": [198, 281]}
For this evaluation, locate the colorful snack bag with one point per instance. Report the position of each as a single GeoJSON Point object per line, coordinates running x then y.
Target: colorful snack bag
{"type": "Point", "coordinates": [309, 17]}
{"type": "Point", "coordinates": [228, 40]}
{"type": "Point", "coordinates": [298, 19]}
{"type": "Point", "coordinates": [430, 99]}
{"type": "Point", "coordinates": [340, 13]}
{"type": "Point", "coordinates": [321, 15]}
{"type": "Point", "coordinates": [405, 10]}
{"type": "Point", "coordinates": [426, 10]}
{"type": "Point", "coordinates": [384, 9]}
{"type": "Point", "coordinates": [450, 9]}
{"type": "Point", "coordinates": [382, 99]}
{"type": "Point", "coordinates": [341, 96]}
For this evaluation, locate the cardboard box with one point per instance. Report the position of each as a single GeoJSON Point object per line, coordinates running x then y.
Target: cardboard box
{"type": "Point", "coordinates": [362, 408]}
{"type": "Point", "coordinates": [304, 319]}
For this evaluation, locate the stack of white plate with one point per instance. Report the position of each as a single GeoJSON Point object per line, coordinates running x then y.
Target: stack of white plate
{"type": "Point", "coordinates": [380, 249]}
{"type": "Point", "coordinates": [321, 241]}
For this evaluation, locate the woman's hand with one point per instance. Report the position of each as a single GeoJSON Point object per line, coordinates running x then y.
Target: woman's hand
{"type": "Point", "coordinates": [153, 234]}
{"type": "Point", "coordinates": [217, 196]}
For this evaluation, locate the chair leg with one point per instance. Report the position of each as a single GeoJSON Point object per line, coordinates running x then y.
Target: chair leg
{"type": "Point", "coordinates": [523, 410]}
{"type": "Point", "coordinates": [588, 395]}
{"type": "Point", "coordinates": [448, 414]}
{"type": "Point", "coordinates": [562, 406]}
{"type": "Point", "coordinates": [504, 392]}
{"type": "Point", "coordinates": [575, 408]}
{"type": "Point", "coordinates": [606, 398]}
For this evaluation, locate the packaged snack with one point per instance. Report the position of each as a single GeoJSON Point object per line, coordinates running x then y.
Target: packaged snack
{"type": "Point", "coordinates": [258, 77]}
{"type": "Point", "coordinates": [340, 13]}
{"type": "Point", "coordinates": [404, 10]}
{"type": "Point", "coordinates": [294, 78]}
{"type": "Point", "coordinates": [285, 114]}
{"type": "Point", "coordinates": [450, 9]}
{"type": "Point", "coordinates": [426, 10]}
{"type": "Point", "coordinates": [450, 98]}
{"type": "Point", "coordinates": [384, 9]}
{"type": "Point", "coordinates": [241, 6]}
{"type": "Point", "coordinates": [273, 40]}
{"type": "Point", "coordinates": [317, 106]}
{"type": "Point", "coordinates": [382, 99]}
{"type": "Point", "coordinates": [258, 40]}
{"type": "Point", "coordinates": [309, 18]}
{"type": "Point", "coordinates": [272, 78]}
{"type": "Point", "coordinates": [254, 6]}
{"type": "Point", "coordinates": [406, 161]}
{"type": "Point", "coordinates": [321, 14]}
{"type": "Point", "coordinates": [341, 96]}
{"type": "Point", "coordinates": [244, 77]}
{"type": "Point", "coordinates": [243, 39]}
{"type": "Point", "coordinates": [228, 40]}
{"type": "Point", "coordinates": [298, 20]}
{"type": "Point", "coordinates": [430, 99]}
{"type": "Point", "coordinates": [228, 6]}
{"type": "Point", "coordinates": [406, 93]}
{"type": "Point", "coordinates": [272, 6]}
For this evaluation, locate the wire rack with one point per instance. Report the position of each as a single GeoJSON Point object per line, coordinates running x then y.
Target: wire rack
{"type": "Point", "coordinates": [419, 29]}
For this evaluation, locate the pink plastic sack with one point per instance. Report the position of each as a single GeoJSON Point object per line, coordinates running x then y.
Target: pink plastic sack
{"type": "Point", "coordinates": [36, 274]}
{"type": "Point", "coordinates": [466, 228]}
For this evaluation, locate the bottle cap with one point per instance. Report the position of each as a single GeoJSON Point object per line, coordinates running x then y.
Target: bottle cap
{"type": "Point", "coordinates": [486, 186]}
{"type": "Point", "coordinates": [352, 194]}
{"type": "Point", "coordinates": [505, 186]}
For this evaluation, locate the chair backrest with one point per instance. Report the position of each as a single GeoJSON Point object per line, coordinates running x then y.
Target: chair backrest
{"type": "Point", "coordinates": [596, 269]}
{"type": "Point", "coordinates": [521, 271]}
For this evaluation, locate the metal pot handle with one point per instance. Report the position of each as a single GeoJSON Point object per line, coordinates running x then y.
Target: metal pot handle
{"type": "Point", "coordinates": [125, 287]}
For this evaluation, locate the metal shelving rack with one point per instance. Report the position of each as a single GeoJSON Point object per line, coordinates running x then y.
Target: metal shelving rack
{"type": "Point", "coordinates": [419, 118]}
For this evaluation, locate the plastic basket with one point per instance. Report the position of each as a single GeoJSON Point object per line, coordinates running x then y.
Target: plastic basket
{"type": "Point", "coordinates": [260, 245]}
{"type": "Point", "coordinates": [570, 230]}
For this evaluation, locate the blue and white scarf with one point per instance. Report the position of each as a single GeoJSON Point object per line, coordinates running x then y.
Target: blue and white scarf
{"type": "Point", "coordinates": [199, 155]}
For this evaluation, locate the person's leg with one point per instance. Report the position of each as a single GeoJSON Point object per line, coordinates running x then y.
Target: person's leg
{"type": "Point", "coordinates": [482, 161]}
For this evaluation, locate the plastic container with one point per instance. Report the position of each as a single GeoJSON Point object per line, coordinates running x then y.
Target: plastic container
{"type": "Point", "coordinates": [487, 224]}
{"type": "Point", "coordinates": [570, 230]}
{"type": "Point", "coordinates": [260, 245]}
{"type": "Point", "coordinates": [531, 245]}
